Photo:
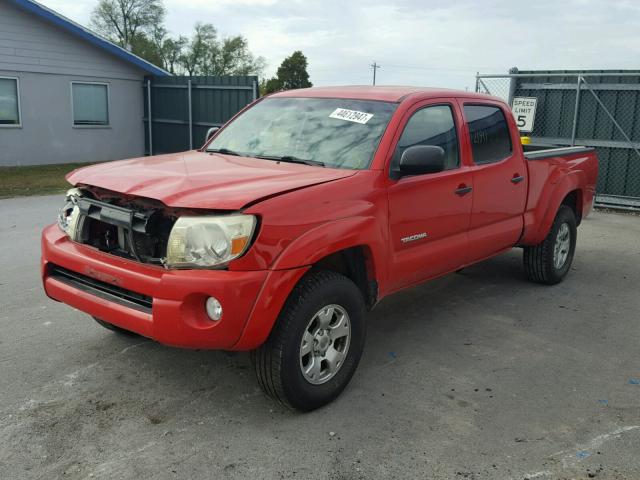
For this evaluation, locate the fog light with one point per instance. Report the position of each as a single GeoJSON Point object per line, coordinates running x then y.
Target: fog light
{"type": "Point", "coordinates": [214, 309]}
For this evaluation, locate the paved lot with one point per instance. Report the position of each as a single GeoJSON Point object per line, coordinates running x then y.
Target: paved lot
{"type": "Point", "coordinates": [479, 375]}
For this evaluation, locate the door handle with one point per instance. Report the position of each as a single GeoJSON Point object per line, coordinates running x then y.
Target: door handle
{"type": "Point", "coordinates": [517, 178]}
{"type": "Point", "coordinates": [463, 190]}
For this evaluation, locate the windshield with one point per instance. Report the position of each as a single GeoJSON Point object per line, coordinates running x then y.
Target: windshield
{"type": "Point", "coordinates": [325, 131]}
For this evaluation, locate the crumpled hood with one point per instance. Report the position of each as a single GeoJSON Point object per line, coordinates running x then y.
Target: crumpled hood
{"type": "Point", "coordinates": [203, 180]}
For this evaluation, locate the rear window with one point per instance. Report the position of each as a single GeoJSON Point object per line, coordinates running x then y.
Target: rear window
{"type": "Point", "coordinates": [490, 139]}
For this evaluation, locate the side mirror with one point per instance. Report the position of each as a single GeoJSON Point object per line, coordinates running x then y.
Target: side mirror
{"type": "Point", "coordinates": [421, 159]}
{"type": "Point", "coordinates": [210, 133]}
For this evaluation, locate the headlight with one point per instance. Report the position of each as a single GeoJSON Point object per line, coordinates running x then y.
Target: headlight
{"type": "Point", "coordinates": [207, 241]}
{"type": "Point", "coordinates": [70, 212]}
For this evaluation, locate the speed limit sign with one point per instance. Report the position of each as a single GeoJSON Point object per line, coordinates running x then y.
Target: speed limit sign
{"type": "Point", "coordinates": [524, 109]}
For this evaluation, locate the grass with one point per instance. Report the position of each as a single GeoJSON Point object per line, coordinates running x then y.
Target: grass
{"type": "Point", "coordinates": [35, 180]}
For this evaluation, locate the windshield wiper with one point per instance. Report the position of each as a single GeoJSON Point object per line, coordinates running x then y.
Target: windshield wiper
{"type": "Point", "coordinates": [224, 151]}
{"type": "Point", "coordinates": [291, 159]}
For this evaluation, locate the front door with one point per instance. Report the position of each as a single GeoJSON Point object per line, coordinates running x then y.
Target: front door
{"type": "Point", "coordinates": [429, 214]}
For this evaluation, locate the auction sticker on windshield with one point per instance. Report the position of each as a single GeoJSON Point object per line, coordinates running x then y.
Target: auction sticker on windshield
{"type": "Point", "coordinates": [351, 115]}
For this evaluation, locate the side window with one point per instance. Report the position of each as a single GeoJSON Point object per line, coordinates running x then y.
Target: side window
{"type": "Point", "coordinates": [430, 126]}
{"type": "Point", "coordinates": [489, 132]}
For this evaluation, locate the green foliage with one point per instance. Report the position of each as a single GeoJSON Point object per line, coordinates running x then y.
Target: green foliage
{"type": "Point", "coordinates": [269, 86]}
{"type": "Point", "coordinates": [235, 57]}
{"type": "Point", "coordinates": [145, 48]}
{"type": "Point", "coordinates": [291, 74]}
{"type": "Point", "coordinates": [138, 25]}
{"type": "Point", "coordinates": [170, 53]}
{"type": "Point", "coordinates": [124, 21]}
{"type": "Point", "coordinates": [196, 55]}
{"type": "Point", "coordinates": [206, 54]}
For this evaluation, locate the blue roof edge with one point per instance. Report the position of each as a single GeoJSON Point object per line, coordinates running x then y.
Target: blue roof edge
{"type": "Point", "coordinates": [86, 34]}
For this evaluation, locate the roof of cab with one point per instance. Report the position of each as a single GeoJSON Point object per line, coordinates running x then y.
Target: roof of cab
{"type": "Point", "coordinates": [380, 93]}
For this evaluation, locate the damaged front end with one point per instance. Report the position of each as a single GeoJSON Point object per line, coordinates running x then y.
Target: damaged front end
{"type": "Point", "coordinates": [132, 228]}
{"type": "Point", "coordinates": [148, 231]}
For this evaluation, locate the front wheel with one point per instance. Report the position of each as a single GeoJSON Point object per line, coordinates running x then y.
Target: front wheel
{"type": "Point", "coordinates": [550, 261]}
{"type": "Point", "coordinates": [316, 344]}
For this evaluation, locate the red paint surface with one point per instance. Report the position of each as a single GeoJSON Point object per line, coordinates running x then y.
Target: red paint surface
{"type": "Point", "coordinates": [202, 180]}
{"type": "Point", "coordinates": [307, 213]}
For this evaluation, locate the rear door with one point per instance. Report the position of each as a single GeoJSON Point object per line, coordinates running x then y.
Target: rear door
{"type": "Point", "coordinates": [499, 179]}
{"type": "Point", "coordinates": [429, 214]}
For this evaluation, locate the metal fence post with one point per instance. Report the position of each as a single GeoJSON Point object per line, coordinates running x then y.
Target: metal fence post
{"type": "Point", "coordinates": [513, 84]}
{"type": "Point", "coordinates": [255, 90]}
{"type": "Point", "coordinates": [477, 82]}
{"type": "Point", "coordinates": [190, 115]}
{"type": "Point", "coordinates": [576, 111]}
{"type": "Point", "coordinates": [149, 117]}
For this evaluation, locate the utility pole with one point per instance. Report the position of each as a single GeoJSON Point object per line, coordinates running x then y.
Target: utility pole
{"type": "Point", "coordinates": [375, 67]}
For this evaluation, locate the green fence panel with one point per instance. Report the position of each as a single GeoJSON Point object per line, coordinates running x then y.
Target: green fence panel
{"type": "Point", "coordinates": [620, 95]}
{"type": "Point", "coordinates": [184, 108]}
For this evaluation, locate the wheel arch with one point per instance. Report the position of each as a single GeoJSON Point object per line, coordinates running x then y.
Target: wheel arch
{"type": "Point", "coordinates": [337, 246]}
{"type": "Point", "coordinates": [352, 246]}
{"type": "Point", "coordinates": [538, 221]}
{"type": "Point", "coordinates": [355, 263]}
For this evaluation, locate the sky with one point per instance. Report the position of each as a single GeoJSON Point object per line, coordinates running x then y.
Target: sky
{"type": "Point", "coordinates": [426, 43]}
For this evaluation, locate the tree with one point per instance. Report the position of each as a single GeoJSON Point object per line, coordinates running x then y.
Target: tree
{"type": "Point", "coordinates": [234, 58]}
{"type": "Point", "coordinates": [138, 26]}
{"type": "Point", "coordinates": [291, 74]}
{"type": "Point", "coordinates": [196, 55]}
{"type": "Point", "coordinates": [205, 54]}
{"type": "Point", "coordinates": [125, 21]}
{"type": "Point", "coordinates": [170, 51]}
{"type": "Point", "coordinates": [144, 47]}
{"type": "Point", "coordinates": [269, 86]}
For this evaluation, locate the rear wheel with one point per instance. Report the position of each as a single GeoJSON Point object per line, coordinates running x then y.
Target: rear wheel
{"type": "Point", "coordinates": [550, 261]}
{"type": "Point", "coordinates": [114, 328]}
{"type": "Point", "coordinates": [316, 344]}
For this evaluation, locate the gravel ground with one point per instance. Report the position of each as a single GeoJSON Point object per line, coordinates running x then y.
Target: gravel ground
{"type": "Point", "coordinates": [478, 375]}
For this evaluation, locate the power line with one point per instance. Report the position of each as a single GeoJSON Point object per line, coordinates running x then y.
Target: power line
{"type": "Point", "coordinates": [438, 69]}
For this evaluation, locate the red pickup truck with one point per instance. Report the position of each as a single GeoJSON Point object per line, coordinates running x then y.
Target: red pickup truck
{"type": "Point", "coordinates": [303, 212]}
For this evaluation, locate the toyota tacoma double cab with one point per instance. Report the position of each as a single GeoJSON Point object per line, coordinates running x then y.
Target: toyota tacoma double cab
{"type": "Point", "coordinates": [300, 214]}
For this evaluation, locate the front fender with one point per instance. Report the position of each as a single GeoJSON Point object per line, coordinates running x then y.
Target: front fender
{"type": "Point", "coordinates": [275, 291]}
{"type": "Point", "coordinates": [332, 237]}
{"type": "Point", "coordinates": [294, 261]}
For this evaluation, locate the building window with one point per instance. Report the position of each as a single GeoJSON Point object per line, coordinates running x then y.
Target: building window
{"type": "Point", "coordinates": [90, 103]}
{"type": "Point", "coordinates": [9, 102]}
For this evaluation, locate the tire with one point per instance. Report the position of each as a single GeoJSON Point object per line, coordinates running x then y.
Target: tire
{"type": "Point", "coordinates": [114, 328]}
{"type": "Point", "coordinates": [320, 298]}
{"type": "Point", "coordinates": [540, 261]}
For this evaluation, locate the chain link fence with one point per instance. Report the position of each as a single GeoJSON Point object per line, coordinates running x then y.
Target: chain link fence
{"type": "Point", "coordinates": [599, 109]}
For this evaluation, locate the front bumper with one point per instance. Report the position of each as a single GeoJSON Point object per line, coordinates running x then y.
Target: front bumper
{"type": "Point", "coordinates": [177, 315]}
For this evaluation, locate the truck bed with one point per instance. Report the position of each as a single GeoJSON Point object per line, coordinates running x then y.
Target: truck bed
{"type": "Point", "coordinates": [540, 153]}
